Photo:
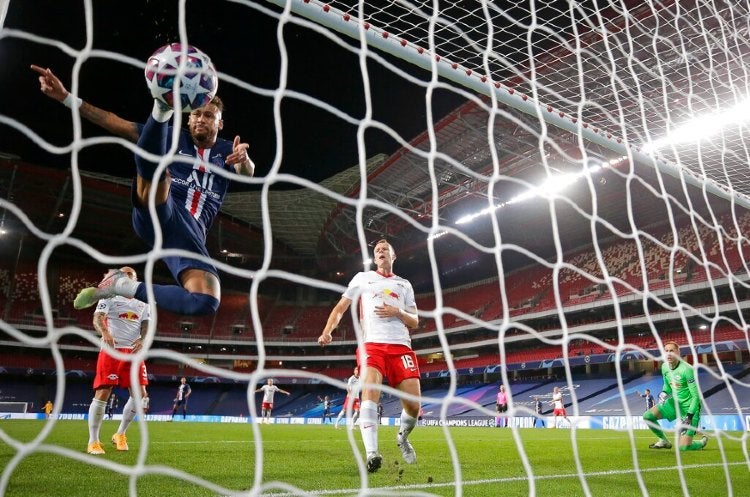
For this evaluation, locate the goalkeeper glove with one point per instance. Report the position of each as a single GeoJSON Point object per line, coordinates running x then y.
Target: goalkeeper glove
{"type": "Point", "coordinates": [686, 423]}
{"type": "Point", "coordinates": [663, 398]}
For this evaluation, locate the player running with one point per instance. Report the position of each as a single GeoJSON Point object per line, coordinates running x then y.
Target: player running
{"type": "Point", "coordinates": [558, 406]}
{"type": "Point", "coordinates": [351, 402]}
{"type": "Point", "coordinates": [387, 311]}
{"type": "Point", "coordinates": [680, 398]}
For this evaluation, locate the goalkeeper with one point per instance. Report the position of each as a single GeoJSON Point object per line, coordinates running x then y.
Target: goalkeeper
{"type": "Point", "coordinates": [680, 399]}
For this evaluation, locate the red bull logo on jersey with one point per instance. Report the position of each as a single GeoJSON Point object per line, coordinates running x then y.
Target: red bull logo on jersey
{"type": "Point", "coordinates": [390, 293]}
{"type": "Point", "coordinates": [129, 316]}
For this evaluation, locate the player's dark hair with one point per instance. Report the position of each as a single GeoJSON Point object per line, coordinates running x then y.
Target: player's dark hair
{"type": "Point", "coordinates": [218, 102]}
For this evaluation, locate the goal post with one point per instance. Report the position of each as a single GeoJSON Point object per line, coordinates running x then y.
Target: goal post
{"type": "Point", "coordinates": [570, 281]}
{"type": "Point", "coordinates": [14, 407]}
{"type": "Point", "coordinates": [480, 79]}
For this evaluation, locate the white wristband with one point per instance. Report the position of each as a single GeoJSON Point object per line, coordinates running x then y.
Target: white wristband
{"type": "Point", "coordinates": [70, 99]}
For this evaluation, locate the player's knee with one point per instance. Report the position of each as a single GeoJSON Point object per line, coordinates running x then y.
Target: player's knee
{"type": "Point", "coordinates": [201, 304]}
{"type": "Point", "coordinates": [411, 408]}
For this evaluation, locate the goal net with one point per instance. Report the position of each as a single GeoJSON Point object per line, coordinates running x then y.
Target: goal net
{"type": "Point", "coordinates": [565, 184]}
{"type": "Point", "coordinates": [15, 407]}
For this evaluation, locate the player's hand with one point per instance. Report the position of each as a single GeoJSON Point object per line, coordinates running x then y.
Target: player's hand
{"type": "Point", "coordinates": [663, 398]}
{"type": "Point", "coordinates": [50, 84]}
{"type": "Point", "coordinates": [239, 156]}
{"type": "Point", "coordinates": [686, 423]}
{"type": "Point", "coordinates": [137, 345]}
{"type": "Point", "coordinates": [108, 339]}
{"type": "Point", "coordinates": [386, 311]}
{"type": "Point", "coordinates": [324, 339]}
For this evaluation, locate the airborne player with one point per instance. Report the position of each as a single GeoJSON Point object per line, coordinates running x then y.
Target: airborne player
{"type": "Point", "coordinates": [188, 197]}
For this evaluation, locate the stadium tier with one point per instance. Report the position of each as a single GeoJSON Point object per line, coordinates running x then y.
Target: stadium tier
{"type": "Point", "coordinates": [593, 396]}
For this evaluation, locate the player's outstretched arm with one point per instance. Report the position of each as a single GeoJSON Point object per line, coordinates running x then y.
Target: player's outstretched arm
{"type": "Point", "coordinates": [50, 85]}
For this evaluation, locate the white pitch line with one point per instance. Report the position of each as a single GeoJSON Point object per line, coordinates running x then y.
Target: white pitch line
{"type": "Point", "coordinates": [298, 441]}
{"type": "Point", "coordinates": [510, 479]}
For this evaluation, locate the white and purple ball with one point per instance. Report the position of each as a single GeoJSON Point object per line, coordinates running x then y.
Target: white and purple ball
{"type": "Point", "coordinates": [197, 82]}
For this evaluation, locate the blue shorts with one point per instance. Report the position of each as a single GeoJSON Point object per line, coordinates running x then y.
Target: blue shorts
{"type": "Point", "coordinates": [179, 231]}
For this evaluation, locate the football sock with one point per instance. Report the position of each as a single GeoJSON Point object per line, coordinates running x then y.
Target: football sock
{"type": "Point", "coordinates": [128, 413]}
{"type": "Point", "coordinates": [178, 300]}
{"type": "Point", "coordinates": [368, 426]}
{"type": "Point", "coordinates": [161, 112]}
{"type": "Point", "coordinates": [341, 415]}
{"type": "Point", "coordinates": [96, 415]}
{"type": "Point", "coordinates": [153, 139]}
{"type": "Point", "coordinates": [653, 424]}
{"type": "Point", "coordinates": [407, 424]}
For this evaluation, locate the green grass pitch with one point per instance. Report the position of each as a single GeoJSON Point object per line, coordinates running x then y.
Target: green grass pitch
{"type": "Point", "coordinates": [203, 459]}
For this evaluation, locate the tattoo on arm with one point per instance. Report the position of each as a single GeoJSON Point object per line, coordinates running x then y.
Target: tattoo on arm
{"type": "Point", "coordinates": [110, 121]}
{"type": "Point", "coordinates": [99, 322]}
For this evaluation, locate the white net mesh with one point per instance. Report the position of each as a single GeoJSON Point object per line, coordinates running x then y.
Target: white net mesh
{"type": "Point", "coordinates": [571, 114]}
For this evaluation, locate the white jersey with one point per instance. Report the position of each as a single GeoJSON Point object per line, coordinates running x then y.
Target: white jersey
{"type": "Point", "coordinates": [557, 398]}
{"type": "Point", "coordinates": [124, 317]}
{"type": "Point", "coordinates": [268, 392]}
{"type": "Point", "coordinates": [373, 289]}
{"type": "Point", "coordinates": [353, 387]}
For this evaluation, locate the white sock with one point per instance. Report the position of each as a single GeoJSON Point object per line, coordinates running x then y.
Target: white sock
{"type": "Point", "coordinates": [407, 425]}
{"type": "Point", "coordinates": [161, 113]}
{"type": "Point", "coordinates": [368, 425]}
{"type": "Point", "coordinates": [96, 415]}
{"type": "Point", "coordinates": [126, 287]}
{"type": "Point", "coordinates": [128, 413]}
{"type": "Point", "coordinates": [341, 414]}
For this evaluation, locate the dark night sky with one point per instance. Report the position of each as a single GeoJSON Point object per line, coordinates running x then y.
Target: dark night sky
{"type": "Point", "coordinates": [243, 44]}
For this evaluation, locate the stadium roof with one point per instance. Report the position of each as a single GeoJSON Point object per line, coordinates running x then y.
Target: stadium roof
{"type": "Point", "coordinates": [617, 77]}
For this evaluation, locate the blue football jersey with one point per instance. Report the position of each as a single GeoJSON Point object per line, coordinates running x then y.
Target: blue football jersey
{"type": "Point", "coordinates": [195, 188]}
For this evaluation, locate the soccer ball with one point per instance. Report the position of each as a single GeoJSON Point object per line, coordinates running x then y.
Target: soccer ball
{"type": "Point", "coordinates": [197, 81]}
